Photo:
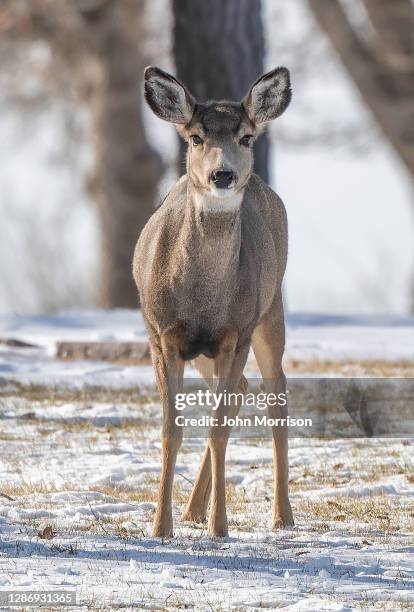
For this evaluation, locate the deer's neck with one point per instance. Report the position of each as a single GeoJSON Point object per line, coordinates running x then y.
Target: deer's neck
{"type": "Point", "coordinates": [212, 232]}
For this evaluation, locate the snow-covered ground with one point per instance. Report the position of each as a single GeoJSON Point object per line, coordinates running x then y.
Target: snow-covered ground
{"type": "Point", "coordinates": [310, 338]}
{"type": "Point", "coordinates": [89, 472]}
{"type": "Point", "coordinates": [79, 474]}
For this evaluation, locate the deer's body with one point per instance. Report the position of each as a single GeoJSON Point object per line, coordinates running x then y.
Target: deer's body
{"type": "Point", "coordinates": [209, 267]}
{"type": "Point", "coordinates": [204, 270]}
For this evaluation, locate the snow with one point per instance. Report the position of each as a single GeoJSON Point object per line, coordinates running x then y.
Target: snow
{"type": "Point", "coordinates": [343, 338]}
{"type": "Point", "coordinates": [389, 488]}
{"type": "Point", "coordinates": [94, 482]}
{"type": "Point", "coordinates": [309, 337]}
{"type": "Point", "coordinates": [46, 371]}
{"type": "Point", "coordinates": [74, 325]}
{"type": "Point", "coordinates": [87, 468]}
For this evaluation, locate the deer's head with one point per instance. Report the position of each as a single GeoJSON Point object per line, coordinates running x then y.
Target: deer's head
{"type": "Point", "coordinates": [220, 135]}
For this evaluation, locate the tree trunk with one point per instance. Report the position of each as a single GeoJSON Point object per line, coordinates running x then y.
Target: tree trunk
{"type": "Point", "coordinates": [394, 24]}
{"type": "Point", "coordinates": [219, 51]}
{"type": "Point", "coordinates": [98, 42]}
{"type": "Point", "coordinates": [127, 170]}
{"type": "Point", "coordinates": [382, 71]}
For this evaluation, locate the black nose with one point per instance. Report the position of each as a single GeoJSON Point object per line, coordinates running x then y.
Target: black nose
{"type": "Point", "coordinates": [222, 178]}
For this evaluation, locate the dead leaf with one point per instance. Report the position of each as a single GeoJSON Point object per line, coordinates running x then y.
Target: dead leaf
{"type": "Point", "coordinates": [47, 533]}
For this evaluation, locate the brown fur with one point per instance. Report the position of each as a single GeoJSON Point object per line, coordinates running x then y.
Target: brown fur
{"type": "Point", "coordinates": [209, 266]}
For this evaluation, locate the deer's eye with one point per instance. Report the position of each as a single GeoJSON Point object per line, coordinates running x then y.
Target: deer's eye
{"type": "Point", "coordinates": [246, 140]}
{"type": "Point", "coordinates": [196, 140]}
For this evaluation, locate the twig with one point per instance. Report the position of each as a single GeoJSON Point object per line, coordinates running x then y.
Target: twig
{"type": "Point", "coordinates": [6, 496]}
{"type": "Point", "coordinates": [187, 479]}
{"type": "Point", "coordinates": [99, 521]}
{"type": "Point", "coordinates": [140, 529]}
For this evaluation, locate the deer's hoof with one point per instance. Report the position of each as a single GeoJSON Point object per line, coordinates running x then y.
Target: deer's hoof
{"type": "Point", "coordinates": [280, 522]}
{"type": "Point", "coordinates": [161, 530]}
{"type": "Point", "coordinates": [218, 531]}
{"type": "Point", "coordinates": [193, 516]}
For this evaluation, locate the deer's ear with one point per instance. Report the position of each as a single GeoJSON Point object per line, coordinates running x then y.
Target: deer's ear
{"type": "Point", "coordinates": [167, 97]}
{"type": "Point", "coordinates": [269, 96]}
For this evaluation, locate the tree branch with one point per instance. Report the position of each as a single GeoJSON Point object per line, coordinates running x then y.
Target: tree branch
{"type": "Point", "coordinates": [394, 113]}
{"type": "Point", "coordinates": [394, 25]}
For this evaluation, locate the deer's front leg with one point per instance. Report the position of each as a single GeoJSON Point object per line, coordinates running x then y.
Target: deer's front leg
{"type": "Point", "coordinates": [169, 370]}
{"type": "Point", "coordinates": [228, 369]}
{"type": "Point", "coordinates": [282, 511]}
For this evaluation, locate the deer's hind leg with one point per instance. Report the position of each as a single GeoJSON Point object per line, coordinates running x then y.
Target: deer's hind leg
{"type": "Point", "coordinates": [268, 345]}
{"type": "Point", "coordinates": [196, 509]}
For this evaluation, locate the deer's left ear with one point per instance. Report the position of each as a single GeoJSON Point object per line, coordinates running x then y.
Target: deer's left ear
{"type": "Point", "coordinates": [269, 96]}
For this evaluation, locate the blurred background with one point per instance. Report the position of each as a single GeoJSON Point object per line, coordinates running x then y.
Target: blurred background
{"type": "Point", "coordinates": [83, 163]}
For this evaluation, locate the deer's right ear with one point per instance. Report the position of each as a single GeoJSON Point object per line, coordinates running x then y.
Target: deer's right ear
{"type": "Point", "coordinates": [167, 97]}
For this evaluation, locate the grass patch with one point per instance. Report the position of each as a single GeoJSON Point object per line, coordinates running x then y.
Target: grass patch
{"type": "Point", "coordinates": [60, 395]}
{"type": "Point", "coordinates": [363, 367]}
{"type": "Point", "coordinates": [29, 488]}
{"type": "Point", "coordinates": [377, 511]}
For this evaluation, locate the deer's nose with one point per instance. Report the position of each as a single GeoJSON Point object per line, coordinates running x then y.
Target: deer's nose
{"type": "Point", "coordinates": [222, 179]}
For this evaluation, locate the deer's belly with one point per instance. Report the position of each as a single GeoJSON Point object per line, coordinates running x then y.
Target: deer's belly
{"type": "Point", "coordinates": [197, 342]}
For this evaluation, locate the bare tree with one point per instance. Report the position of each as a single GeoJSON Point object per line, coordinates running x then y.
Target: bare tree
{"type": "Point", "coordinates": [379, 56]}
{"type": "Point", "coordinates": [219, 51]}
{"type": "Point", "coordinates": [96, 43]}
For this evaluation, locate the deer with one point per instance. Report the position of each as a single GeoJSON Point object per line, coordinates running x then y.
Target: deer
{"type": "Point", "coordinates": [209, 266]}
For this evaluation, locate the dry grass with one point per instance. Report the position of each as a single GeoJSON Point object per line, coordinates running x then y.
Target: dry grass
{"type": "Point", "coordinates": [57, 395]}
{"type": "Point", "coordinates": [311, 479]}
{"type": "Point", "coordinates": [378, 471]}
{"type": "Point", "coordinates": [24, 489]}
{"type": "Point", "coordinates": [8, 437]}
{"type": "Point", "coordinates": [374, 368]}
{"type": "Point", "coordinates": [379, 512]}
{"type": "Point", "coordinates": [147, 492]}
{"type": "Point", "coordinates": [80, 430]}
{"type": "Point", "coordinates": [367, 368]}
{"type": "Point", "coordinates": [236, 497]}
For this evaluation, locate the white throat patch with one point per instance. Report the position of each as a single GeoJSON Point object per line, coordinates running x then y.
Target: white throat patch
{"type": "Point", "coordinates": [215, 202]}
